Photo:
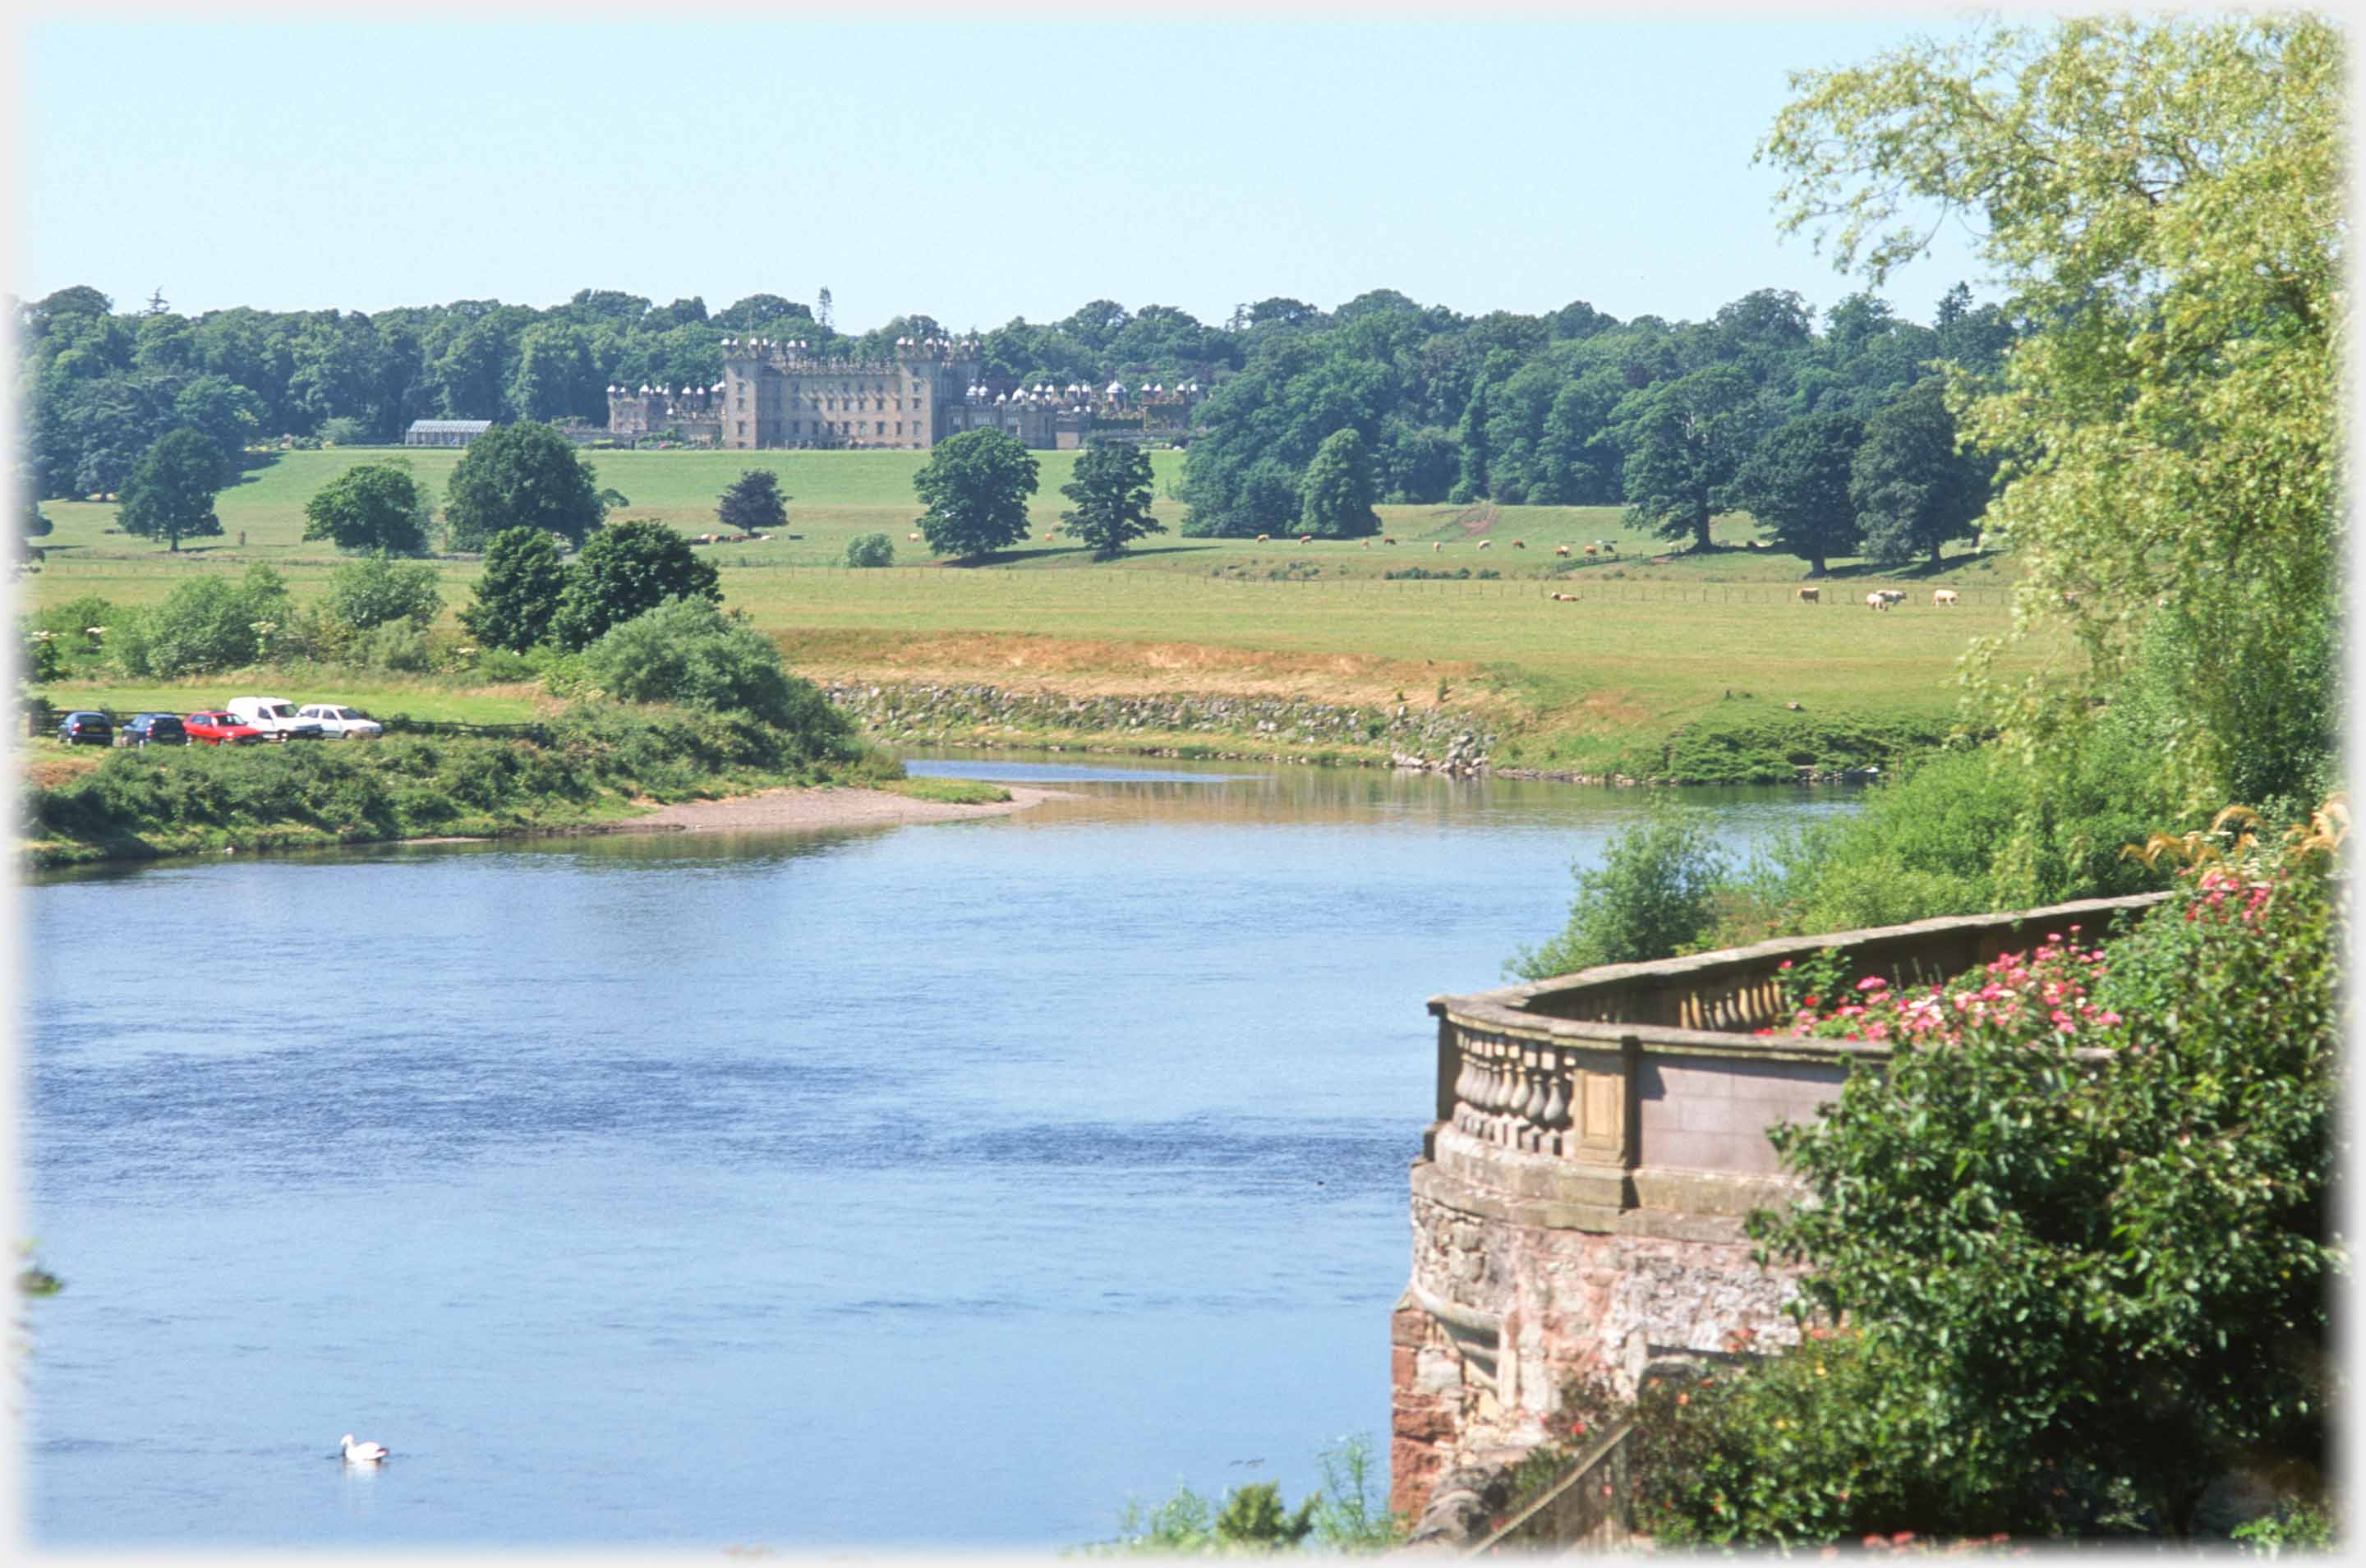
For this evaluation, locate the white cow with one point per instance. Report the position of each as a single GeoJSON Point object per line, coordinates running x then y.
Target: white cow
{"type": "Point", "coordinates": [1876, 600]}
{"type": "Point", "coordinates": [1943, 596]}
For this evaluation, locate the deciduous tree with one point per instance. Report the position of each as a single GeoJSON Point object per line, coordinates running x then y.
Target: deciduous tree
{"type": "Point", "coordinates": [753, 501]}
{"type": "Point", "coordinates": [1111, 488]}
{"type": "Point", "coordinates": [633, 567]}
{"type": "Point", "coordinates": [1796, 487]}
{"type": "Point", "coordinates": [519, 592]}
{"type": "Point", "coordinates": [1335, 498]}
{"type": "Point", "coordinates": [2163, 197]}
{"type": "Point", "coordinates": [170, 494]}
{"type": "Point", "coordinates": [1913, 492]}
{"type": "Point", "coordinates": [976, 487]}
{"type": "Point", "coordinates": [1684, 441]}
{"type": "Point", "coordinates": [521, 475]}
{"type": "Point", "coordinates": [372, 507]}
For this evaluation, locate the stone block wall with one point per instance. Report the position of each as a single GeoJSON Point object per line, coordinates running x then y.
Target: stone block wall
{"type": "Point", "coordinates": [1579, 1204]}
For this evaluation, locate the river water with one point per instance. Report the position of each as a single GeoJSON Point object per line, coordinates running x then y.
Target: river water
{"type": "Point", "coordinates": [933, 1185]}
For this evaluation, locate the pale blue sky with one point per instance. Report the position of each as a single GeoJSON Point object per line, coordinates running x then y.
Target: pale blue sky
{"type": "Point", "coordinates": [974, 172]}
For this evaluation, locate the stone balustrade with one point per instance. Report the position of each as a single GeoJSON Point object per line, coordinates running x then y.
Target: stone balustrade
{"type": "Point", "coordinates": [1599, 1139]}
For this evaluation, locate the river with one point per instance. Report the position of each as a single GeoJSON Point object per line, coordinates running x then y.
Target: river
{"type": "Point", "coordinates": [933, 1185]}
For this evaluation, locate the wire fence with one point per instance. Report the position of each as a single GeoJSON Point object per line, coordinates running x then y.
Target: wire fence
{"type": "Point", "coordinates": [1827, 594]}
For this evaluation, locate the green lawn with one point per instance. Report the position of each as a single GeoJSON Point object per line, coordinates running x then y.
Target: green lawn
{"type": "Point", "coordinates": [1650, 643]}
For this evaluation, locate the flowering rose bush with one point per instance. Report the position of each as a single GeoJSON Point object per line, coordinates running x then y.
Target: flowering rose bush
{"type": "Point", "coordinates": [2046, 989]}
{"type": "Point", "coordinates": [2078, 1286]}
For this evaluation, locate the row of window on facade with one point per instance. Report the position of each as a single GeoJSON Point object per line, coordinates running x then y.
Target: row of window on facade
{"type": "Point", "coordinates": [874, 404]}
{"type": "Point", "coordinates": [838, 427]}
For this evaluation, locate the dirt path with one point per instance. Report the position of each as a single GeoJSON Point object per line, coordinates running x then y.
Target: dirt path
{"type": "Point", "coordinates": [833, 806]}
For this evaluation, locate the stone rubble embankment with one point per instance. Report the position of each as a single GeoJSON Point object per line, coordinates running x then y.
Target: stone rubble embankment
{"type": "Point", "coordinates": [1428, 739]}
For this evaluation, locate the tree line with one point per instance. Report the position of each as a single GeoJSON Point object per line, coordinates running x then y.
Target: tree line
{"type": "Point", "coordinates": [1570, 408]}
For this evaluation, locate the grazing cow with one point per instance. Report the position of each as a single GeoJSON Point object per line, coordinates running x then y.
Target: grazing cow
{"type": "Point", "coordinates": [1365, 545]}
{"type": "Point", "coordinates": [1388, 541]}
{"type": "Point", "coordinates": [1486, 543]}
{"type": "Point", "coordinates": [1566, 598]}
{"type": "Point", "coordinates": [1610, 549]}
{"type": "Point", "coordinates": [914, 537]}
{"type": "Point", "coordinates": [1943, 596]}
{"type": "Point", "coordinates": [1811, 595]}
{"type": "Point", "coordinates": [1589, 552]}
{"type": "Point", "coordinates": [1263, 538]}
{"type": "Point", "coordinates": [1894, 595]}
{"type": "Point", "coordinates": [1436, 547]}
{"type": "Point", "coordinates": [1519, 543]}
{"type": "Point", "coordinates": [1876, 600]}
{"type": "Point", "coordinates": [1306, 538]}
{"type": "Point", "coordinates": [1563, 549]}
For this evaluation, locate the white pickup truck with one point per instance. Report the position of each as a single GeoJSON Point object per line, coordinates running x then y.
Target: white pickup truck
{"type": "Point", "coordinates": [277, 719]}
{"type": "Point", "coordinates": [340, 722]}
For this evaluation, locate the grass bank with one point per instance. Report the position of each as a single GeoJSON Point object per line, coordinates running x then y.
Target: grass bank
{"type": "Point", "coordinates": [604, 763]}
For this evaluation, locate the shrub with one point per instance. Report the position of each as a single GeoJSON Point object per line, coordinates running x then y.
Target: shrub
{"type": "Point", "coordinates": [871, 549]}
{"type": "Point", "coordinates": [1652, 897]}
{"type": "Point", "coordinates": [398, 645]}
{"type": "Point", "coordinates": [1966, 830]}
{"type": "Point", "coordinates": [626, 570]}
{"type": "Point", "coordinates": [689, 652]}
{"type": "Point", "coordinates": [1345, 1515]}
{"type": "Point", "coordinates": [378, 590]}
{"type": "Point", "coordinates": [208, 623]}
{"type": "Point", "coordinates": [343, 430]}
{"type": "Point", "coordinates": [2092, 1281]}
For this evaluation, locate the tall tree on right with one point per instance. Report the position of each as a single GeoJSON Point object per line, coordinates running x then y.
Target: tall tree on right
{"type": "Point", "coordinates": [1337, 494]}
{"type": "Point", "coordinates": [1111, 488]}
{"type": "Point", "coordinates": [2161, 200]}
{"type": "Point", "coordinates": [1912, 490]}
{"type": "Point", "coordinates": [170, 496]}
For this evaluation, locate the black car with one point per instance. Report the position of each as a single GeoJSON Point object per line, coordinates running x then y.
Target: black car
{"type": "Point", "coordinates": [86, 729]}
{"type": "Point", "coordinates": [154, 729]}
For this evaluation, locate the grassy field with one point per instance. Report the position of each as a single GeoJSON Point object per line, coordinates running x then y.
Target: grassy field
{"type": "Point", "coordinates": [1651, 642]}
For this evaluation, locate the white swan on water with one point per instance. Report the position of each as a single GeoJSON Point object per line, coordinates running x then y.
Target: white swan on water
{"type": "Point", "coordinates": [362, 1453]}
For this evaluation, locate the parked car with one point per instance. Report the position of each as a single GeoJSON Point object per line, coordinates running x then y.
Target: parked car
{"type": "Point", "coordinates": [153, 730]}
{"type": "Point", "coordinates": [336, 720]}
{"type": "Point", "coordinates": [218, 728]}
{"type": "Point", "coordinates": [275, 718]}
{"type": "Point", "coordinates": [85, 728]}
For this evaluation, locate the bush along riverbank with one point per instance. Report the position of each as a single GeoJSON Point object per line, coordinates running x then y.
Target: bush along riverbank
{"type": "Point", "coordinates": [1751, 748]}
{"type": "Point", "coordinates": [602, 760]}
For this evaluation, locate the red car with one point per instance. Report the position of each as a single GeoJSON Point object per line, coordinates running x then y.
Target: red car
{"type": "Point", "coordinates": [219, 729]}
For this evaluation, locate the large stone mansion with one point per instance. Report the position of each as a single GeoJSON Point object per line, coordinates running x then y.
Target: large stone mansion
{"type": "Point", "coordinates": [777, 393]}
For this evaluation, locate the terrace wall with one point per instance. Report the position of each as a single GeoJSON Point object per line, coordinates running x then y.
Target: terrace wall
{"type": "Point", "coordinates": [1579, 1200]}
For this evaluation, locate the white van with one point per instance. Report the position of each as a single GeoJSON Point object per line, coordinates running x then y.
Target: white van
{"type": "Point", "coordinates": [276, 718]}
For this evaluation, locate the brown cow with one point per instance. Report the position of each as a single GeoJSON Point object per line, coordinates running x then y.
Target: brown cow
{"type": "Point", "coordinates": [1810, 595]}
{"type": "Point", "coordinates": [1519, 543]}
{"type": "Point", "coordinates": [1563, 549]}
